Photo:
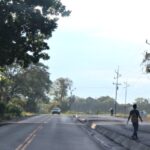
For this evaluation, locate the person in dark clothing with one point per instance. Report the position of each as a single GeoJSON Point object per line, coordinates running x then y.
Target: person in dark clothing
{"type": "Point", "coordinates": [111, 111]}
{"type": "Point", "coordinates": [134, 115]}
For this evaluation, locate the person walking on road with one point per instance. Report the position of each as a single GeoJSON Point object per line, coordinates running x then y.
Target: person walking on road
{"type": "Point", "coordinates": [111, 111]}
{"type": "Point", "coordinates": [135, 115]}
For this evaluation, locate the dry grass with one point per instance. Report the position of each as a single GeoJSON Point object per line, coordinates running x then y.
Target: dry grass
{"type": "Point", "coordinates": [28, 114]}
{"type": "Point", "coordinates": [147, 118]}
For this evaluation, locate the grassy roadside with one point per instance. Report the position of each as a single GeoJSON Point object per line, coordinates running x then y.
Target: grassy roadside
{"type": "Point", "coordinates": [27, 114]}
{"type": "Point", "coordinates": [145, 118]}
{"type": "Point", "coordinates": [119, 115]}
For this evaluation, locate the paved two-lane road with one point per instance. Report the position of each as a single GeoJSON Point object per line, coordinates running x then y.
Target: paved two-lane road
{"type": "Point", "coordinates": [46, 132]}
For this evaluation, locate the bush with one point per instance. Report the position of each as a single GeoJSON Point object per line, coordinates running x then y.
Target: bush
{"type": "Point", "coordinates": [31, 106]}
{"type": "Point", "coordinates": [14, 110]}
{"type": "Point", "coordinates": [2, 109]}
{"type": "Point", "coordinates": [18, 102]}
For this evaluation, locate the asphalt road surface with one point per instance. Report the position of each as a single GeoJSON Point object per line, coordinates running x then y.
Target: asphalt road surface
{"type": "Point", "coordinates": [46, 132]}
{"type": "Point", "coordinates": [117, 131]}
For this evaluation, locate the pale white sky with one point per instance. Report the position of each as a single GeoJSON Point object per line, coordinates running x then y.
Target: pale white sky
{"type": "Point", "coordinates": [99, 36]}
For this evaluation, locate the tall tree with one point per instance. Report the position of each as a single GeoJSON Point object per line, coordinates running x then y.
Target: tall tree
{"type": "Point", "coordinates": [33, 83]}
{"type": "Point", "coordinates": [60, 88]}
{"type": "Point", "coordinates": [142, 101]}
{"type": "Point", "coordinates": [25, 25]}
{"type": "Point", "coordinates": [10, 81]}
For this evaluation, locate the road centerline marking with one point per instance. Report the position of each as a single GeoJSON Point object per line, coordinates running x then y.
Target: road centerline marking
{"type": "Point", "coordinates": [29, 139]}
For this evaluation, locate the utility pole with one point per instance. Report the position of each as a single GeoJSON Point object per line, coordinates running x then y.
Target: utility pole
{"type": "Point", "coordinates": [126, 88]}
{"type": "Point", "coordinates": [116, 88]}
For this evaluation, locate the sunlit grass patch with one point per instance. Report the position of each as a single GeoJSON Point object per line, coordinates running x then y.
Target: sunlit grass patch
{"type": "Point", "coordinates": [28, 114]}
{"type": "Point", "coordinates": [147, 118]}
{"type": "Point", "coordinates": [121, 115]}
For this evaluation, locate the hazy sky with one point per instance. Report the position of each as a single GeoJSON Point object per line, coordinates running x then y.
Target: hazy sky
{"type": "Point", "coordinates": [99, 36]}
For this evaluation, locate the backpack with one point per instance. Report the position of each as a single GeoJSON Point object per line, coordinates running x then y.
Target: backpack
{"type": "Point", "coordinates": [134, 117]}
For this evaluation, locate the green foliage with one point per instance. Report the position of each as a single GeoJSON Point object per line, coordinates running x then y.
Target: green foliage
{"type": "Point", "coordinates": [143, 104]}
{"type": "Point", "coordinates": [7, 88]}
{"type": "Point", "coordinates": [60, 88]}
{"type": "Point", "coordinates": [1, 69]}
{"type": "Point", "coordinates": [93, 106]}
{"type": "Point", "coordinates": [54, 103]}
{"type": "Point", "coordinates": [31, 106]}
{"type": "Point", "coordinates": [104, 103]}
{"type": "Point", "coordinates": [14, 110]}
{"type": "Point", "coordinates": [142, 101]}
{"type": "Point", "coordinates": [4, 82]}
{"type": "Point", "coordinates": [30, 84]}
{"type": "Point", "coordinates": [20, 102]}
{"type": "Point", "coordinates": [35, 83]}
{"type": "Point", "coordinates": [25, 25]}
{"type": "Point", "coordinates": [10, 110]}
{"type": "Point", "coordinates": [44, 108]}
{"type": "Point", "coordinates": [64, 106]}
{"type": "Point", "coordinates": [2, 109]}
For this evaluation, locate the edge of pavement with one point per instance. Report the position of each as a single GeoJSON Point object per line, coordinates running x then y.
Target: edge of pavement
{"type": "Point", "coordinates": [14, 120]}
{"type": "Point", "coordinates": [127, 143]}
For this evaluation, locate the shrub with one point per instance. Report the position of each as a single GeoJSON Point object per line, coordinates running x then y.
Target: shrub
{"type": "Point", "coordinates": [2, 109]}
{"type": "Point", "coordinates": [14, 110]}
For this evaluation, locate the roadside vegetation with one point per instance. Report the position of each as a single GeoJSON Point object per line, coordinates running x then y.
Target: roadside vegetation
{"type": "Point", "coordinates": [31, 90]}
{"type": "Point", "coordinates": [25, 28]}
{"type": "Point", "coordinates": [25, 84]}
{"type": "Point", "coordinates": [28, 91]}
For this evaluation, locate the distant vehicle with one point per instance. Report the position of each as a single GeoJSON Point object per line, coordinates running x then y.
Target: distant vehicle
{"type": "Point", "coordinates": [56, 110]}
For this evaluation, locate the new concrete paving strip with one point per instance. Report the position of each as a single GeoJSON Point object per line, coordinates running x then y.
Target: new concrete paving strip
{"type": "Point", "coordinates": [122, 140]}
{"type": "Point", "coordinates": [102, 140]}
{"type": "Point", "coordinates": [99, 125]}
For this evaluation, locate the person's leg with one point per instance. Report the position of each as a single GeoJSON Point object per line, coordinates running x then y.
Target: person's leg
{"type": "Point", "coordinates": [136, 129]}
